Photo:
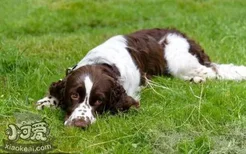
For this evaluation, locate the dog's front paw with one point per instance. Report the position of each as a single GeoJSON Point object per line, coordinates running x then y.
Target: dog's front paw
{"type": "Point", "coordinates": [48, 101]}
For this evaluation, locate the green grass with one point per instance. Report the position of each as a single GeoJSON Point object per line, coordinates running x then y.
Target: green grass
{"type": "Point", "coordinates": [40, 38]}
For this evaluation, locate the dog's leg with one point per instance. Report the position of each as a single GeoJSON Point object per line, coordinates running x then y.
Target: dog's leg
{"type": "Point", "coordinates": [197, 75]}
{"type": "Point", "coordinates": [181, 63]}
{"type": "Point", "coordinates": [54, 97]}
{"type": "Point", "coordinates": [48, 101]}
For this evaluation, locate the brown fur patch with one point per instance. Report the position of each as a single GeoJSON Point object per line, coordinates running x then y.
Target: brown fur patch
{"type": "Point", "coordinates": [148, 39]}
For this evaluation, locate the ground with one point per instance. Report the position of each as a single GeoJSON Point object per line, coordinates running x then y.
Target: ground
{"type": "Point", "coordinates": [39, 39]}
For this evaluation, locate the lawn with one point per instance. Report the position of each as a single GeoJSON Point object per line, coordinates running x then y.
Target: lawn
{"type": "Point", "coordinates": [39, 39]}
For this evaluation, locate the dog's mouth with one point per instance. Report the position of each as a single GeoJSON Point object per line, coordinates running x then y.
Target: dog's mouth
{"type": "Point", "coordinates": [82, 116]}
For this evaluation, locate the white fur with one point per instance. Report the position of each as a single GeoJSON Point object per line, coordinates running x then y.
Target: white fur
{"type": "Point", "coordinates": [181, 63]}
{"type": "Point", "coordinates": [47, 101]}
{"type": "Point", "coordinates": [84, 110]}
{"type": "Point", "coordinates": [114, 52]}
{"type": "Point", "coordinates": [186, 66]}
{"type": "Point", "coordinates": [230, 72]}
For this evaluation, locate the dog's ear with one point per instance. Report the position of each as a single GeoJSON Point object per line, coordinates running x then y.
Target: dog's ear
{"type": "Point", "coordinates": [57, 89]}
{"type": "Point", "coordinates": [119, 100]}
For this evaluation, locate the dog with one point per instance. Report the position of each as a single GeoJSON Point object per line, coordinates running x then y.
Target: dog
{"type": "Point", "coordinates": [110, 76]}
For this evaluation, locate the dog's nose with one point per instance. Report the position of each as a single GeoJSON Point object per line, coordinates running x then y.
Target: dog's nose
{"type": "Point", "coordinates": [80, 123]}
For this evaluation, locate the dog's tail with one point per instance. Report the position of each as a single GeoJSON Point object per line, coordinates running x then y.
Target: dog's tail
{"type": "Point", "coordinates": [229, 71]}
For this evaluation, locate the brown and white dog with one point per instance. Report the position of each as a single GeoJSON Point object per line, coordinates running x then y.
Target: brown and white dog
{"type": "Point", "coordinates": [109, 77]}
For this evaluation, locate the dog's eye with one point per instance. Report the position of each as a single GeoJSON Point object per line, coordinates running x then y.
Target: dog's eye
{"type": "Point", "coordinates": [98, 102]}
{"type": "Point", "coordinates": [75, 96]}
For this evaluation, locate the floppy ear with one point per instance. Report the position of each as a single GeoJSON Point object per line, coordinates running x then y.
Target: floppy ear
{"type": "Point", "coordinates": [57, 89]}
{"type": "Point", "coordinates": [119, 100]}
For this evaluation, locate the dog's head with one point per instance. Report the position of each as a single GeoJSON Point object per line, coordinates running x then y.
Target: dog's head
{"type": "Point", "coordinates": [89, 90]}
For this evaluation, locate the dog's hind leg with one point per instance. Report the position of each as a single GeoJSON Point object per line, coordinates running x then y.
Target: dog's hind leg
{"type": "Point", "coordinates": [197, 75]}
{"type": "Point", "coordinates": [181, 63]}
